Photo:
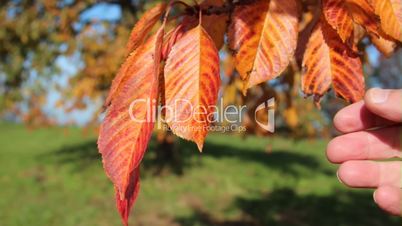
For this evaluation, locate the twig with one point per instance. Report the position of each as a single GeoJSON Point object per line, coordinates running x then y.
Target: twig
{"type": "Point", "coordinates": [226, 8]}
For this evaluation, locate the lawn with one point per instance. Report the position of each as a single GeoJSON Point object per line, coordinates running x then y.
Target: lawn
{"type": "Point", "coordinates": [54, 177]}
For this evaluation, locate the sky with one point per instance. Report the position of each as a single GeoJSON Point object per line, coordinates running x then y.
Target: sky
{"type": "Point", "coordinates": [69, 67]}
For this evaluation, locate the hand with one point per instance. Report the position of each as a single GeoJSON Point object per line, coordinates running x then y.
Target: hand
{"type": "Point", "coordinates": [371, 131]}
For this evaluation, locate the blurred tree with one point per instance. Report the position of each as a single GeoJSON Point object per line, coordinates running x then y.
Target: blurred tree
{"type": "Point", "coordinates": [35, 33]}
{"type": "Point", "coordinates": [388, 72]}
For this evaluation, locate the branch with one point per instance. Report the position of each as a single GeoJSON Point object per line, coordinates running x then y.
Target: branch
{"type": "Point", "coordinates": [226, 8]}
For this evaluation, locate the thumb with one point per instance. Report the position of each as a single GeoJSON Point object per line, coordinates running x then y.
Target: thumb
{"type": "Point", "coordinates": [386, 103]}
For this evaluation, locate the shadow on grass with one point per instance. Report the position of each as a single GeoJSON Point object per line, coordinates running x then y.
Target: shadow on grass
{"type": "Point", "coordinates": [285, 208]}
{"type": "Point", "coordinates": [185, 155]}
{"type": "Point", "coordinates": [279, 159]}
{"type": "Point", "coordinates": [81, 155]}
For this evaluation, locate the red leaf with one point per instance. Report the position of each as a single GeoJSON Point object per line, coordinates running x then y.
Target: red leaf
{"type": "Point", "coordinates": [127, 127]}
{"type": "Point", "coordinates": [343, 15]}
{"type": "Point", "coordinates": [137, 37]}
{"type": "Point", "coordinates": [328, 60]}
{"type": "Point", "coordinates": [363, 14]}
{"type": "Point", "coordinates": [337, 15]}
{"type": "Point", "coordinates": [124, 206]}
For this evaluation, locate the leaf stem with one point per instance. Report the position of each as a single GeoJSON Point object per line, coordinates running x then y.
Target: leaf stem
{"type": "Point", "coordinates": [179, 3]}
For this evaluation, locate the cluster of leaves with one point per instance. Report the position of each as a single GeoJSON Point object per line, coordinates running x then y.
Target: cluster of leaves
{"type": "Point", "coordinates": [332, 54]}
{"type": "Point", "coordinates": [183, 63]}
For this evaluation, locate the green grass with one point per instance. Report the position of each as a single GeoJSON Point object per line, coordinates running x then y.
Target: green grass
{"type": "Point", "coordinates": [54, 176]}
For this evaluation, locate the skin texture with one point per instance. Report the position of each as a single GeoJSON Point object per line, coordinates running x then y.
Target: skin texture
{"type": "Point", "coordinates": [371, 133]}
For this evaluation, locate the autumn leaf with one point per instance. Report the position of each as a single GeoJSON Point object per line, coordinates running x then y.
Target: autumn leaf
{"type": "Point", "coordinates": [144, 26]}
{"type": "Point", "coordinates": [264, 37]}
{"type": "Point", "coordinates": [387, 46]}
{"type": "Point", "coordinates": [358, 34]}
{"type": "Point", "coordinates": [337, 15]}
{"type": "Point", "coordinates": [124, 205]}
{"type": "Point", "coordinates": [363, 14]}
{"type": "Point", "coordinates": [390, 12]}
{"type": "Point", "coordinates": [328, 60]}
{"type": "Point", "coordinates": [343, 15]}
{"type": "Point", "coordinates": [304, 35]}
{"type": "Point", "coordinates": [191, 85]}
{"type": "Point", "coordinates": [171, 37]}
{"type": "Point", "coordinates": [137, 37]}
{"type": "Point", "coordinates": [214, 25]}
{"type": "Point", "coordinates": [127, 127]}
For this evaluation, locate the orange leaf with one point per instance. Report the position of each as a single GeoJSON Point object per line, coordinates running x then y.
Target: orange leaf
{"type": "Point", "coordinates": [385, 45]}
{"type": "Point", "coordinates": [137, 37]}
{"type": "Point", "coordinates": [170, 39]}
{"type": "Point", "coordinates": [341, 15]}
{"type": "Point", "coordinates": [304, 36]}
{"type": "Point", "coordinates": [127, 127]}
{"type": "Point", "coordinates": [390, 12]}
{"type": "Point", "coordinates": [264, 37]}
{"type": "Point", "coordinates": [328, 60]}
{"type": "Point", "coordinates": [363, 14]}
{"type": "Point", "coordinates": [337, 15]}
{"type": "Point", "coordinates": [215, 25]}
{"type": "Point", "coordinates": [358, 34]}
{"type": "Point", "coordinates": [144, 26]}
{"type": "Point", "coordinates": [191, 84]}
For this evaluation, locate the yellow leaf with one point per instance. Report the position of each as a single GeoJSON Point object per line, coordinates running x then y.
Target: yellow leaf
{"type": "Point", "coordinates": [390, 12]}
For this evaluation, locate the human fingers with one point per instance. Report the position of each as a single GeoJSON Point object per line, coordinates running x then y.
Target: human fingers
{"type": "Point", "coordinates": [357, 117]}
{"type": "Point", "coordinates": [378, 144]}
{"type": "Point", "coordinates": [370, 174]}
{"type": "Point", "coordinates": [386, 103]}
{"type": "Point", "coordinates": [389, 199]}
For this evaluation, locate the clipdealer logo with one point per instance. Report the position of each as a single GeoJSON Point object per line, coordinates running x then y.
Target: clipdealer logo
{"type": "Point", "coordinates": [269, 107]}
{"type": "Point", "coordinates": [229, 117]}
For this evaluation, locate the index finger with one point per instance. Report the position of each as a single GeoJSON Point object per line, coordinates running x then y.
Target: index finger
{"type": "Point", "coordinates": [386, 103]}
{"type": "Point", "coordinates": [357, 117]}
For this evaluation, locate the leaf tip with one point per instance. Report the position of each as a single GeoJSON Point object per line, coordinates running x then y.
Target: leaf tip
{"type": "Point", "coordinates": [317, 101]}
{"type": "Point", "coordinates": [244, 90]}
{"type": "Point", "coordinates": [200, 145]}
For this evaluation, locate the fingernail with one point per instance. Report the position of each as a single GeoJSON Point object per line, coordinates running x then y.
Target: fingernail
{"type": "Point", "coordinates": [337, 175]}
{"type": "Point", "coordinates": [374, 195]}
{"type": "Point", "coordinates": [379, 96]}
